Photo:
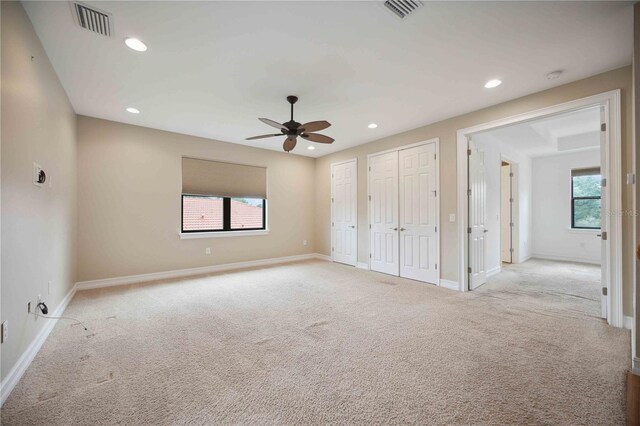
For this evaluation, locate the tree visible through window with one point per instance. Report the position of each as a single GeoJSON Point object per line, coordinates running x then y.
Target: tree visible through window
{"type": "Point", "coordinates": [585, 198]}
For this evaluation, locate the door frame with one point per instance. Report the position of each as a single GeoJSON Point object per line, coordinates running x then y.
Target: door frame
{"type": "Point", "coordinates": [611, 102]}
{"type": "Point", "coordinates": [515, 210]}
{"type": "Point", "coordinates": [355, 159]}
{"type": "Point", "coordinates": [436, 141]}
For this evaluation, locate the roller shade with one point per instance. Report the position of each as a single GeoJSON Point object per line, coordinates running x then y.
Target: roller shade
{"type": "Point", "coordinates": [585, 172]}
{"type": "Point", "coordinates": [204, 177]}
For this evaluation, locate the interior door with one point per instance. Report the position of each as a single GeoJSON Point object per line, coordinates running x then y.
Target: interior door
{"type": "Point", "coordinates": [383, 185]}
{"type": "Point", "coordinates": [604, 220]}
{"type": "Point", "coordinates": [418, 214]}
{"type": "Point", "coordinates": [477, 217]}
{"type": "Point", "coordinates": [506, 219]}
{"type": "Point", "coordinates": [344, 216]}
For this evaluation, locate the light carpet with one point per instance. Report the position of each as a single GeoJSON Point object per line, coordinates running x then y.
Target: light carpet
{"type": "Point", "coordinates": [319, 343]}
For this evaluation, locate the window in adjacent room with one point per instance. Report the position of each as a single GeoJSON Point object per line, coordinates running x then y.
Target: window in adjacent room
{"type": "Point", "coordinates": [219, 196]}
{"type": "Point", "coordinates": [585, 198]}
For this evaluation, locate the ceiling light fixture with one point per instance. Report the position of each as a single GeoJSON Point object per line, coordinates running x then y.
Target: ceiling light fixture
{"type": "Point", "coordinates": [554, 74]}
{"type": "Point", "coordinates": [135, 44]}
{"type": "Point", "coordinates": [133, 110]}
{"type": "Point", "coordinates": [372, 126]}
{"type": "Point", "coordinates": [311, 148]}
{"type": "Point", "coordinates": [492, 83]}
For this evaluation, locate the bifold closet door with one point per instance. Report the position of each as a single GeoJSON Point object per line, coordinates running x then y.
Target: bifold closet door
{"type": "Point", "coordinates": [383, 187]}
{"type": "Point", "coordinates": [418, 213]}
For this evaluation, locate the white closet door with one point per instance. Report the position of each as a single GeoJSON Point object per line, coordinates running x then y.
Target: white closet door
{"type": "Point", "coordinates": [344, 218]}
{"type": "Point", "coordinates": [505, 214]}
{"type": "Point", "coordinates": [604, 219]}
{"type": "Point", "coordinates": [477, 217]}
{"type": "Point", "coordinates": [418, 214]}
{"type": "Point", "coordinates": [383, 186]}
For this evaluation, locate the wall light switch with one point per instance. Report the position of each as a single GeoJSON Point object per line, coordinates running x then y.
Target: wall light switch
{"type": "Point", "coordinates": [452, 217]}
{"type": "Point", "coordinates": [207, 250]}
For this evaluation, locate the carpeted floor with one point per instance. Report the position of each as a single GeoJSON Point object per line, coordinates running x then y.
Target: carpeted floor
{"type": "Point", "coordinates": [316, 343]}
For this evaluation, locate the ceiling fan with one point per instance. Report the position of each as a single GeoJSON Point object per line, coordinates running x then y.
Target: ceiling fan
{"type": "Point", "coordinates": [292, 129]}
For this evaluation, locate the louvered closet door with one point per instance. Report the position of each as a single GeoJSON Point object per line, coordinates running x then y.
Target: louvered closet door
{"type": "Point", "coordinates": [418, 214]}
{"type": "Point", "coordinates": [383, 187]}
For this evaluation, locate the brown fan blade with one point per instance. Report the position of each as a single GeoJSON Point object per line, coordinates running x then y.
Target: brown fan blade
{"type": "Point", "coordinates": [262, 136]}
{"type": "Point", "coordinates": [290, 143]}
{"type": "Point", "coordinates": [314, 126]}
{"type": "Point", "coordinates": [317, 137]}
{"type": "Point", "coordinates": [273, 123]}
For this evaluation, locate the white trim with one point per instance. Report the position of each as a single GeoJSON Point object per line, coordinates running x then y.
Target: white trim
{"type": "Point", "coordinates": [635, 365]}
{"type": "Point", "coordinates": [494, 271]}
{"type": "Point", "coordinates": [451, 285]}
{"type": "Point", "coordinates": [583, 231]}
{"type": "Point", "coordinates": [222, 234]}
{"type": "Point", "coordinates": [628, 322]}
{"type": "Point", "coordinates": [543, 256]}
{"type": "Point", "coordinates": [20, 367]}
{"type": "Point", "coordinates": [331, 204]}
{"type": "Point", "coordinates": [362, 265]}
{"type": "Point", "coordinates": [154, 276]}
{"type": "Point", "coordinates": [611, 102]}
{"type": "Point", "coordinates": [400, 148]}
{"type": "Point", "coordinates": [322, 257]}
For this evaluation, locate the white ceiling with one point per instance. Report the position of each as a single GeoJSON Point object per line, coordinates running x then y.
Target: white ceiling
{"type": "Point", "coordinates": [572, 131]}
{"type": "Point", "coordinates": [213, 68]}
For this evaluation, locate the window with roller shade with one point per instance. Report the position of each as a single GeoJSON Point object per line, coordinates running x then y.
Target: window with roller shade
{"type": "Point", "coordinates": [585, 198]}
{"type": "Point", "coordinates": [219, 196]}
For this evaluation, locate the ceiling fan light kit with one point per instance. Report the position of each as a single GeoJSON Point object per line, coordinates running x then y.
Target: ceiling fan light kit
{"type": "Point", "coordinates": [292, 129]}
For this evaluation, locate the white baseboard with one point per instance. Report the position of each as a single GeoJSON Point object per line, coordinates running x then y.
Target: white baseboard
{"type": "Point", "coordinates": [627, 322]}
{"type": "Point", "coordinates": [565, 258]}
{"type": "Point", "coordinates": [451, 285]}
{"type": "Point", "coordinates": [362, 265]}
{"type": "Point", "coordinates": [18, 370]}
{"type": "Point", "coordinates": [494, 271]}
{"type": "Point", "coordinates": [323, 257]}
{"type": "Point", "coordinates": [180, 273]}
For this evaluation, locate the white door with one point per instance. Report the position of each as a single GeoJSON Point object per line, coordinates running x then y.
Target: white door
{"type": "Point", "coordinates": [344, 216]}
{"type": "Point", "coordinates": [604, 220]}
{"type": "Point", "coordinates": [383, 185]}
{"type": "Point", "coordinates": [477, 217]}
{"type": "Point", "coordinates": [418, 213]}
{"type": "Point", "coordinates": [506, 219]}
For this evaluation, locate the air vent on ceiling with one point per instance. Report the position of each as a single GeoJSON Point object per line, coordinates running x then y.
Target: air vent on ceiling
{"type": "Point", "coordinates": [402, 8]}
{"type": "Point", "coordinates": [92, 19]}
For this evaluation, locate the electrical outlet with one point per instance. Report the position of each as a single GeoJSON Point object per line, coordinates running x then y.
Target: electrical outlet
{"type": "Point", "coordinates": [452, 217]}
{"type": "Point", "coordinates": [207, 250]}
{"type": "Point", "coordinates": [304, 242]}
{"type": "Point", "coordinates": [5, 331]}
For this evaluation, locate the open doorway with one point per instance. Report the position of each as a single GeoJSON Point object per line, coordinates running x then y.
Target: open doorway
{"type": "Point", "coordinates": [549, 235]}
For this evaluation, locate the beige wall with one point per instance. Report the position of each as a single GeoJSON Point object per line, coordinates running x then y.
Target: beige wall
{"type": "Point", "coordinates": [129, 187]}
{"type": "Point", "coordinates": [38, 224]}
{"type": "Point", "coordinates": [446, 131]}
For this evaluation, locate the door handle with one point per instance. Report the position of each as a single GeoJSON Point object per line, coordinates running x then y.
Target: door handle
{"type": "Point", "coordinates": [402, 229]}
{"type": "Point", "coordinates": [394, 229]}
{"type": "Point", "coordinates": [485, 231]}
{"type": "Point", "coordinates": [352, 226]}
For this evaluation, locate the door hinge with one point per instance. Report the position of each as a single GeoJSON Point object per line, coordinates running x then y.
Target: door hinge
{"type": "Point", "coordinates": [434, 156]}
{"type": "Point", "coordinates": [332, 249]}
{"type": "Point", "coordinates": [369, 197]}
{"type": "Point", "coordinates": [332, 224]}
{"type": "Point", "coordinates": [603, 127]}
{"type": "Point", "coordinates": [469, 269]}
{"type": "Point", "coordinates": [604, 291]}
{"type": "Point", "coordinates": [468, 230]}
{"type": "Point", "coordinates": [436, 266]}
{"type": "Point", "coordinates": [511, 174]}
{"type": "Point", "coordinates": [604, 235]}
{"type": "Point", "coordinates": [603, 182]}
{"type": "Point", "coordinates": [511, 224]}
{"type": "Point", "coordinates": [369, 255]}
{"type": "Point", "coordinates": [331, 174]}
{"type": "Point", "coordinates": [511, 200]}
{"type": "Point", "coordinates": [469, 192]}
{"type": "Point", "coordinates": [332, 200]}
{"type": "Point", "coordinates": [436, 229]}
{"type": "Point", "coordinates": [369, 168]}
{"type": "Point", "coordinates": [369, 226]}
{"type": "Point", "coordinates": [468, 152]}
{"type": "Point", "coordinates": [511, 250]}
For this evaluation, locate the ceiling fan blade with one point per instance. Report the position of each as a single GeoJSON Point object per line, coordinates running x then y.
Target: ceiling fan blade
{"type": "Point", "coordinates": [273, 124]}
{"type": "Point", "coordinates": [262, 137]}
{"type": "Point", "coordinates": [290, 143]}
{"type": "Point", "coordinates": [314, 126]}
{"type": "Point", "coordinates": [317, 137]}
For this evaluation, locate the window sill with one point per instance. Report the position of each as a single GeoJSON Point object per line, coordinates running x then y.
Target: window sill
{"type": "Point", "coordinates": [222, 234]}
{"type": "Point", "coordinates": [584, 231]}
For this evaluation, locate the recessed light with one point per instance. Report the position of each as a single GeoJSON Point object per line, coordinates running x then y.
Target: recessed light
{"type": "Point", "coordinates": [133, 110]}
{"type": "Point", "coordinates": [554, 74]}
{"type": "Point", "coordinates": [372, 126]}
{"type": "Point", "coordinates": [492, 83]}
{"type": "Point", "coordinates": [311, 147]}
{"type": "Point", "coordinates": [135, 44]}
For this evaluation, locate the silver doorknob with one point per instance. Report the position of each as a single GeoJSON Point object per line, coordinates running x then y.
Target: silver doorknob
{"type": "Point", "coordinates": [485, 231]}
{"type": "Point", "coordinates": [402, 229]}
{"type": "Point", "coordinates": [352, 226]}
{"type": "Point", "coordinates": [394, 229]}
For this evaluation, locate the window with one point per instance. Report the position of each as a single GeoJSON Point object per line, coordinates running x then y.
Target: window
{"type": "Point", "coordinates": [209, 214]}
{"type": "Point", "coordinates": [219, 196]}
{"type": "Point", "coordinates": [585, 198]}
